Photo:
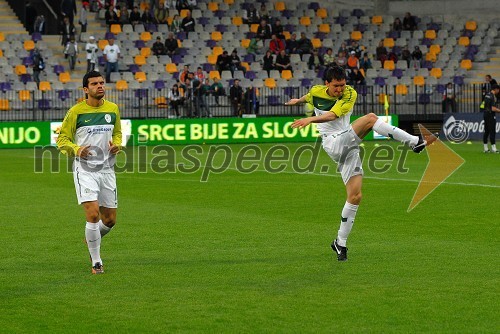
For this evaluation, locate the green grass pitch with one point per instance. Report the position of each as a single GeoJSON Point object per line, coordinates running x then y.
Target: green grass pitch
{"type": "Point", "coordinates": [250, 253]}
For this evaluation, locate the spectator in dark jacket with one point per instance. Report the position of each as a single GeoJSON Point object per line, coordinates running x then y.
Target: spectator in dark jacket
{"type": "Point", "coordinates": [264, 31]}
{"type": "Point", "coordinates": [158, 47]}
{"type": "Point", "coordinates": [188, 23]}
{"type": "Point", "coordinates": [409, 22]}
{"type": "Point", "coordinates": [171, 45]}
{"type": "Point", "coordinates": [236, 96]}
{"type": "Point", "coordinates": [315, 61]}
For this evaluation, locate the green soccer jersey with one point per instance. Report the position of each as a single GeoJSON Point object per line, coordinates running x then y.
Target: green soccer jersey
{"type": "Point", "coordinates": [342, 107]}
{"type": "Point", "coordinates": [95, 126]}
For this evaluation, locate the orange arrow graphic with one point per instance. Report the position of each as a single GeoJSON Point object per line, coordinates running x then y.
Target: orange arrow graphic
{"type": "Point", "coordinates": [443, 162]}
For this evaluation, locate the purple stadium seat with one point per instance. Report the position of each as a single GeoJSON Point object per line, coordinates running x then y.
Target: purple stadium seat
{"type": "Point", "coordinates": [249, 58]}
{"type": "Point", "coordinates": [288, 14]}
{"type": "Point", "coordinates": [393, 34]}
{"type": "Point", "coordinates": [220, 13]}
{"type": "Point", "coordinates": [27, 61]}
{"type": "Point", "coordinates": [139, 44]}
{"type": "Point", "coordinates": [362, 27]}
{"type": "Point", "coordinates": [159, 84]}
{"type": "Point", "coordinates": [320, 35]}
{"type": "Point", "coordinates": [63, 94]}
{"type": "Point", "coordinates": [397, 72]}
{"type": "Point", "coordinates": [250, 35]}
{"type": "Point", "coordinates": [250, 75]}
{"type": "Point", "coordinates": [175, 75]}
{"type": "Point", "coordinates": [182, 35]}
{"type": "Point", "coordinates": [273, 100]}
{"type": "Point", "coordinates": [440, 88]}
{"type": "Point", "coordinates": [5, 86]}
{"type": "Point", "coordinates": [25, 78]}
{"type": "Point", "coordinates": [152, 27]}
{"type": "Point", "coordinates": [101, 61]}
{"type": "Point", "coordinates": [203, 21]}
{"type": "Point", "coordinates": [289, 27]}
{"type": "Point", "coordinates": [433, 26]}
{"type": "Point", "coordinates": [58, 69]}
{"type": "Point", "coordinates": [341, 20]}
{"type": "Point", "coordinates": [211, 43]}
{"type": "Point", "coordinates": [289, 91]}
{"type": "Point", "coordinates": [380, 81]}
{"type": "Point", "coordinates": [221, 27]}
{"type": "Point", "coordinates": [176, 59]}
{"type": "Point", "coordinates": [182, 51]}
{"type": "Point", "coordinates": [314, 6]}
{"type": "Point", "coordinates": [458, 80]}
{"type": "Point", "coordinates": [43, 104]}
{"type": "Point", "coordinates": [426, 41]}
{"type": "Point", "coordinates": [427, 64]}
{"type": "Point", "coordinates": [321, 72]}
{"type": "Point", "coordinates": [362, 90]}
{"type": "Point", "coordinates": [134, 68]}
{"type": "Point", "coordinates": [245, 5]}
{"type": "Point", "coordinates": [36, 36]}
{"type": "Point", "coordinates": [305, 82]}
{"type": "Point", "coordinates": [207, 67]}
{"type": "Point", "coordinates": [468, 33]}
{"type": "Point", "coordinates": [424, 99]}
{"type": "Point", "coordinates": [109, 35]}
{"type": "Point", "coordinates": [141, 93]}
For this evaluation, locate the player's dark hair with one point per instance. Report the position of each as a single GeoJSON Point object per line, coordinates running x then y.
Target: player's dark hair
{"type": "Point", "coordinates": [91, 74]}
{"type": "Point", "coordinates": [334, 72]}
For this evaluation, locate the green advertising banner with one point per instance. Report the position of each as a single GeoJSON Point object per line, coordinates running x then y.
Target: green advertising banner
{"type": "Point", "coordinates": [24, 134]}
{"type": "Point", "coordinates": [226, 130]}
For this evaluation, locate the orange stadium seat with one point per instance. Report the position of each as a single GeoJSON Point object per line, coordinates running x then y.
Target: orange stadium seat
{"type": "Point", "coordinates": [121, 85]}
{"type": "Point", "coordinates": [146, 52]}
{"type": "Point", "coordinates": [229, 2]}
{"type": "Point", "coordinates": [430, 34]}
{"type": "Point", "coordinates": [179, 43]}
{"type": "Point", "coordinates": [213, 6]}
{"type": "Point", "coordinates": [217, 50]}
{"type": "Point", "coordinates": [464, 40]}
{"type": "Point", "coordinates": [184, 13]}
{"type": "Point", "coordinates": [286, 74]}
{"type": "Point", "coordinates": [430, 56]}
{"type": "Point", "coordinates": [378, 20]}
{"type": "Point", "coordinates": [212, 59]}
{"type": "Point", "coordinates": [4, 104]}
{"type": "Point", "coordinates": [466, 64]}
{"type": "Point", "coordinates": [436, 73]}
{"type": "Point", "coordinates": [24, 95]}
{"type": "Point", "coordinates": [471, 25]}
{"type": "Point", "coordinates": [401, 90]}
{"type": "Point", "coordinates": [270, 83]}
{"type": "Point", "coordinates": [279, 6]}
{"type": "Point", "coordinates": [161, 102]}
{"type": "Point", "coordinates": [324, 27]}
{"type": "Point", "coordinates": [356, 35]}
{"type": "Point", "coordinates": [2, 37]}
{"type": "Point", "coordinates": [102, 43]}
{"type": "Point", "coordinates": [216, 36]}
{"type": "Point", "coordinates": [389, 42]}
{"type": "Point", "coordinates": [64, 77]}
{"type": "Point", "coordinates": [115, 29]}
{"type": "Point", "coordinates": [146, 36]}
{"type": "Point", "coordinates": [389, 65]}
{"type": "Point", "coordinates": [419, 80]}
{"type": "Point", "coordinates": [245, 65]}
{"type": "Point", "coordinates": [140, 76]}
{"type": "Point", "coordinates": [29, 45]}
{"type": "Point", "coordinates": [1, 53]}
{"type": "Point", "coordinates": [245, 43]}
{"type": "Point", "coordinates": [254, 27]}
{"type": "Point", "coordinates": [435, 48]}
{"type": "Point", "coordinates": [140, 60]}
{"type": "Point", "coordinates": [170, 19]}
{"type": "Point", "coordinates": [214, 74]}
{"type": "Point", "coordinates": [381, 98]}
{"type": "Point", "coordinates": [237, 20]}
{"type": "Point", "coordinates": [305, 21]}
{"type": "Point", "coordinates": [286, 34]}
{"type": "Point", "coordinates": [20, 69]}
{"type": "Point", "coordinates": [316, 42]}
{"type": "Point", "coordinates": [171, 68]}
{"type": "Point", "coordinates": [144, 6]}
{"type": "Point", "coordinates": [322, 13]}
{"type": "Point", "coordinates": [44, 86]}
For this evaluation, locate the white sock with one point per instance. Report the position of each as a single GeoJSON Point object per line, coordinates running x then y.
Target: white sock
{"type": "Point", "coordinates": [348, 215]}
{"type": "Point", "coordinates": [103, 228]}
{"type": "Point", "coordinates": [493, 148]}
{"type": "Point", "coordinates": [394, 132]}
{"type": "Point", "coordinates": [93, 237]}
{"type": "Point", "coordinates": [485, 147]}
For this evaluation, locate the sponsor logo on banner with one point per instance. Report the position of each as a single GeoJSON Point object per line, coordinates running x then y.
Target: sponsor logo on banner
{"type": "Point", "coordinates": [458, 127]}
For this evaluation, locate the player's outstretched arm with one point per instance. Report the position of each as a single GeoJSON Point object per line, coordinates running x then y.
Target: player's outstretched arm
{"type": "Point", "coordinates": [303, 122]}
{"type": "Point", "coordinates": [293, 102]}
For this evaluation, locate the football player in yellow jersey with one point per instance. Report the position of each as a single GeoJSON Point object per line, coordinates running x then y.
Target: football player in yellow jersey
{"type": "Point", "coordinates": [333, 104]}
{"type": "Point", "coordinates": [91, 132]}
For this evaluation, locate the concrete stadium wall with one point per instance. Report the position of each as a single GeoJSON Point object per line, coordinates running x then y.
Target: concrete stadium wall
{"type": "Point", "coordinates": [462, 8]}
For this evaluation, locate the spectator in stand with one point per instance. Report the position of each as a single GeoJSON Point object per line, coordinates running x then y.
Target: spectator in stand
{"type": "Point", "coordinates": [315, 61]}
{"type": "Point", "coordinates": [67, 30]}
{"type": "Point", "coordinates": [217, 90]}
{"type": "Point", "coordinates": [223, 62]}
{"type": "Point", "coordinates": [38, 65]}
{"type": "Point", "coordinates": [135, 16]}
{"type": "Point", "coordinates": [291, 44]}
{"type": "Point", "coordinates": [449, 98]}
{"type": "Point", "coordinates": [184, 74]}
{"type": "Point", "coordinates": [409, 22]}
{"type": "Point", "coordinates": [417, 54]}
{"type": "Point", "coordinates": [268, 62]}
{"type": "Point", "coordinates": [264, 31]}
{"type": "Point", "coordinates": [236, 96]}
{"type": "Point", "coordinates": [199, 75]}
{"type": "Point", "coordinates": [192, 4]}
{"type": "Point", "coordinates": [171, 45]}
{"type": "Point", "coordinates": [200, 104]}
{"type": "Point", "coordinates": [187, 88]}
{"type": "Point", "coordinates": [161, 14]}
{"type": "Point", "coordinates": [406, 55]}
{"type": "Point", "coordinates": [277, 29]}
{"type": "Point", "coordinates": [124, 16]}
{"type": "Point", "coordinates": [341, 59]}
{"type": "Point", "coordinates": [147, 18]}
{"type": "Point", "coordinates": [264, 13]}
{"type": "Point", "coordinates": [188, 23]}
{"type": "Point", "coordinates": [111, 54]}
{"type": "Point", "coordinates": [283, 62]}
{"type": "Point", "coordinates": [158, 47]}
{"type": "Point", "coordinates": [255, 46]}
{"type": "Point", "coordinates": [343, 48]}
{"type": "Point", "coordinates": [182, 4]}
{"type": "Point", "coordinates": [356, 77]}
{"type": "Point", "coordinates": [305, 45]}
{"type": "Point", "coordinates": [110, 17]}
{"type": "Point", "coordinates": [40, 24]}
{"type": "Point", "coordinates": [71, 52]}
{"type": "Point", "coordinates": [356, 48]}
{"type": "Point", "coordinates": [276, 44]}
{"type": "Point", "coordinates": [381, 52]}
{"type": "Point", "coordinates": [328, 57]}
{"type": "Point", "coordinates": [175, 27]}
{"type": "Point", "coordinates": [175, 99]}
{"type": "Point", "coordinates": [236, 62]}
{"type": "Point", "coordinates": [251, 100]}
{"type": "Point", "coordinates": [83, 17]}
{"type": "Point", "coordinates": [397, 25]}
{"type": "Point", "coordinates": [365, 63]}
{"type": "Point", "coordinates": [68, 9]}
{"type": "Point", "coordinates": [91, 49]}
{"type": "Point", "coordinates": [352, 61]}
{"type": "Point", "coordinates": [486, 86]}
{"type": "Point", "coordinates": [251, 16]}
{"type": "Point", "coordinates": [393, 55]}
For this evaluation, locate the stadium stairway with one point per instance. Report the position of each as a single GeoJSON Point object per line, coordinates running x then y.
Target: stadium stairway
{"type": "Point", "coordinates": [9, 23]}
{"type": "Point", "coordinates": [492, 66]}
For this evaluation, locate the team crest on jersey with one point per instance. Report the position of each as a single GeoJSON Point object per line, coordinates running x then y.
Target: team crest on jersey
{"type": "Point", "coordinates": [107, 117]}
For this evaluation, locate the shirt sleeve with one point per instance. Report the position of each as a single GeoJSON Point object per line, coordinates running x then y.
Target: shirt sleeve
{"type": "Point", "coordinates": [117, 130]}
{"type": "Point", "coordinates": [345, 104]}
{"type": "Point", "coordinates": [65, 140]}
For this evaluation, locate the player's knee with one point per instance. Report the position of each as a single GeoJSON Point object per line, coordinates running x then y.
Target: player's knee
{"type": "Point", "coordinates": [92, 216]}
{"type": "Point", "coordinates": [372, 117]}
{"type": "Point", "coordinates": [355, 198]}
{"type": "Point", "coordinates": [109, 221]}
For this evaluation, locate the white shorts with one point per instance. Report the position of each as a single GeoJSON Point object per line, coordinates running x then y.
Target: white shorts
{"type": "Point", "coordinates": [96, 186]}
{"type": "Point", "coordinates": [344, 150]}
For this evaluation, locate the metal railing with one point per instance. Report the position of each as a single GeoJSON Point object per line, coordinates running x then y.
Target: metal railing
{"type": "Point", "coordinates": [152, 103]}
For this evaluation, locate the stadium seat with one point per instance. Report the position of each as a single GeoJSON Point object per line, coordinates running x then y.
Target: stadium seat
{"type": "Point", "coordinates": [322, 13]}
{"type": "Point", "coordinates": [436, 49]}
{"type": "Point", "coordinates": [146, 52]}
{"type": "Point", "coordinates": [20, 69]}
{"type": "Point", "coordinates": [245, 43]}
{"type": "Point", "coordinates": [436, 73]}
{"type": "Point", "coordinates": [389, 65]}
{"type": "Point", "coordinates": [464, 41]}
{"type": "Point", "coordinates": [377, 20]}
{"type": "Point", "coordinates": [212, 59]}
{"type": "Point", "coordinates": [217, 50]}
{"type": "Point", "coordinates": [4, 104]}
{"type": "Point", "coordinates": [270, 83]}
{"type": "Point", "coordinates": [2, 37]}
{"type": "Point", "coordinates": [431, 57]}
{"type": "Point", "coordinates": [356, 35]}
{"type": "Point", "coordinates": [161, 102]}
{"type": "Point", "coordinates": [324, 28]}
{"type": "Point", "coordinates": [115, 29]}
{"type": "Point", "coordinates": [214, 74]}
{"type": "Point", "coordinates": [286, 74]}
{"type": "Point", "coordinates": [140, 76]}
{"type": "Point", "coordinates": [471, 25]}
{"type": "Point", "coordinates": [213, 6]}
{"type": "Point", "coordinates": [145, 36]}
{"type": "Point", "coordinates": [279, 6]}
{"type": "Point", "coordinates": [419, 80]}
{"type": "Point", "coordinates": [24, 95]}
{"type": "Point", "coordinates": [466, 64]}
{"type": "Point", "coordinates": [121, 85]}
{"type": "Point", "coordinates": [29, 45]}
{"type": "Point", "coordinates": [216, 36]}
{"type": "Point", "coordinates": [171, 68]}
{"type": "Point", "coordinates": [237, 21]}
{"type": "Point", "coordinates": [316, 43]}
{"type": "Point", "coordinates": [139, 60]}
{"type": "Point", "coordinates": [401, 90]}
{"type": "Point", "coordinates": [64, 77]}
{"type": "Point", "coordinates": [430, 34]}
{"type": "Point", "coordinates": [389, 42]}
{"type": "Point", "coordinates": [305, 21]}
{"type": "Point", "coordinates": [184, 13]}
{"type": "Point", "coordinates": [102, 43]}
{"type": "Point", "coordinates": [254, 27]}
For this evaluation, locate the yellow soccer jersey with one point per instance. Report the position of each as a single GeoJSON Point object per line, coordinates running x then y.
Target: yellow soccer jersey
{"type": "Point", "coordinates": [342, 107]}
{"type": "Point", "coordinates": [95, 126]}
